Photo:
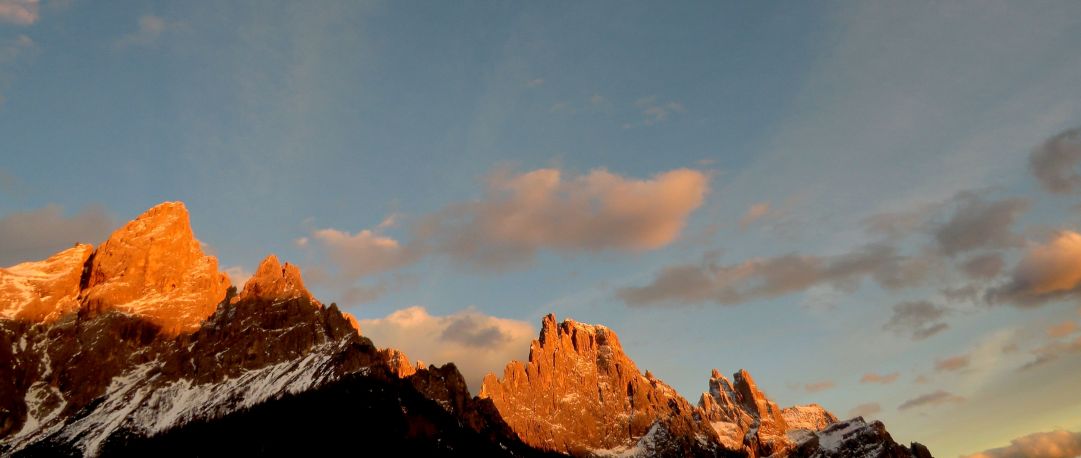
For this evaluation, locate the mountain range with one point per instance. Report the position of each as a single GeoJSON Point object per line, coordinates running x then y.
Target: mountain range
{"type": "Point", "coordinates": [142, 347]}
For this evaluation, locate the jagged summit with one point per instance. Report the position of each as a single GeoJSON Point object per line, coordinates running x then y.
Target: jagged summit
{"type": "Point", "coordinates": [742, 415]}
{"type": "Point", "coordinates": [580, 394]}
{"type": "Point", "coordinates": [275, 281]}
{"type": "Point", "coordinates": [153, 267]}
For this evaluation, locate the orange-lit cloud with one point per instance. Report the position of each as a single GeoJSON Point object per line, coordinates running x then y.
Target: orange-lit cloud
{"type": "Point", "coordinates": [477, 343]}
{"type": "Point", "coordinates": [544, 209]}
{"type": "Point", "coordinates": [365, 252]}
{"type": "Point", "coordinates": [754, 213]}
{"type": "Point", "coordinates": [38, 234]}
{"type": "Point", "coordinates": [1062, 329]}
{"type": "Point", "coordinates": [1052, 444]}
{"type": "Point", "coordinates": [884, 379]}
{"type": "Point", "coordinates": [816, 387]}
{"type": "Point", "coordinates": [20, 12]}
{"type": "Point", "coordinates": [952, 364]}
{"type": "Point", "coordinates": [523, 213]}
{"type": "Point", "coordinates": [1046, 272]}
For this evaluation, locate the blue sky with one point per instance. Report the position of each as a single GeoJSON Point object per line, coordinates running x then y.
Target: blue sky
{"type": "Point", "coordinates": [278, 122]}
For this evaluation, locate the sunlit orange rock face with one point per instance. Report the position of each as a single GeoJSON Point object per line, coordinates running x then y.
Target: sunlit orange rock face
{"type": "Point", "coordinates": [43, 290]}
{"type": "Point", "coordinates": [579, 393]}
{"type": "Point", "coordinates": [743, 416]}
{"type": "Point", "coordinates": [274, 281]}
{"type": "Point", "coordinates": [399, 363]}
{"type": "Point", "coordinates": [153, 267]}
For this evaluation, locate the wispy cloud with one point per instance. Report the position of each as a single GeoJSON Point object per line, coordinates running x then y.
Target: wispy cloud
{"type": "Point", "coordinates": [884, 379]}
{"type": "Point", "coordinates": [754, 213]}
{"type": "Point", "coordinates": [655, 111]}
{"type": "Point", "coordinates": [815, 387]}
{"type": "Point", "coordinates": [917, 319]}
{"type": "Point", "coordinates": [19, 12]}
{"type": "Point", "coordinates": [932, 399]}
{"type": "Point", "coordinates": [150, 30]}
{"type": "Point", "coordinates": [10, 51]}
{"type": "Point", "coordinates": [761, 278]}
{"type": "Point", "coordinates": [1051, 351]}
{"type": "Point", "coordinates": [952, 364]}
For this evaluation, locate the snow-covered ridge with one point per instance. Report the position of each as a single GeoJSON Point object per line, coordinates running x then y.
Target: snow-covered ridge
{"type": "Point", "coordinates": [139, 401]}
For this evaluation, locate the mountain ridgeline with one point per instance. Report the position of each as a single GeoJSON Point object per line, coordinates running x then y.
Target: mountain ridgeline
{"type": "Point", "coordinates": [141, 347]}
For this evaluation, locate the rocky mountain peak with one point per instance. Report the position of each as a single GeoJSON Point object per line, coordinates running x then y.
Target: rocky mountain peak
{"type": "Point", "coordinates": [274, 281]}
{"type": "Point", "coordinates": [743, 416]}
{"type": "Point", "coordinates": [153, 267]}
{"type": "Point", "coordinates": [43, 290]}
{"type": "Point", "coordinates": [580, 393]}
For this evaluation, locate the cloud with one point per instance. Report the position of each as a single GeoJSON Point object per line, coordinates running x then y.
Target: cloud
{"type": "Point", "coordinates": [1046, 272]}
{"type": "Point", "coordinates": [884, 379]}
{"type": "Point", "coordinates": [1062, 329]}
{"type": "Point", "coordinates": [952, 364]}
{"type": "Point", "coordinates": [654, 111]}
{"type": "Point", "coordinates": [522, 213]}
{"type": "Point", "coordinates": [10, 50]}
{"type": "Point", "coordinates": [936, 398]}
{"type": "Point", "coordinates": [1054, 163]}
{"type": "Point", "coordinates": [475, 342]}
{"type": "Point", "coordinates": [238, 275]}
{"type": "Point", "coordinates": [816, 387]}
{"type": "Point", "coordinates": [979, 224]}
{"type": "Point", "coordinates": [983, 267]}
{"type": "Point", "coordinates": [19, 12]}
{"type": "Point", "coordinates": [363, 253]}
{"type": "Point", "coordinates": [917, 319]}
{"type": "Point", "coordinates": [1052, 351]}
{"type": "Point", "coordinates": [536, 82]}
{"type": "Point", "coordinates": [1051, 444]}
{"type": "Point", "coordinates": [770, 277]}
{"type": "Point", "coordinates": [38, 234]}
{"type": "Point", "coordinates": [902, 223]}
{"type": "Point", "coordinates": [151, 28]}
{"type": "Point", "coordinates": [754, 213]}
{"type": "Point", "coordinates": [865, 410]}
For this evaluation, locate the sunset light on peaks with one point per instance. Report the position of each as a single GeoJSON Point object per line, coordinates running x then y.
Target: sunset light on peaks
{"type": "Point", "coordinates": [540, 229]}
